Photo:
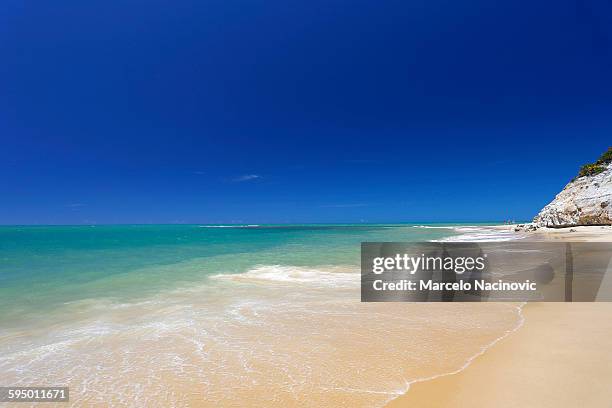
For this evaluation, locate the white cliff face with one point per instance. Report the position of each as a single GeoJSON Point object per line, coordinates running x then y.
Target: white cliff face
{"type": "Point", "coordinates": [584, 201]}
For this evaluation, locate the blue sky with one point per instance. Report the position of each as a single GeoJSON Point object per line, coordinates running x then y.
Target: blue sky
{"type": "Point", "coordinates": [267, 111]}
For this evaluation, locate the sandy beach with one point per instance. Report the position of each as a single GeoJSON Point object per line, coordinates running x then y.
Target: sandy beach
{"type": "Point", "coordinates": [560, 357]}
{"type": "Point", "coordinates": [576, 234]}
{"type": "Point", "coordinates": [596, 233]}
{"type": "Point", "coordinates": [268, 327]}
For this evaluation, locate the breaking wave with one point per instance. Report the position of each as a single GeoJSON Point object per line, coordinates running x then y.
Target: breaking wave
{"type": "Point", "coordinates": [330, 276]}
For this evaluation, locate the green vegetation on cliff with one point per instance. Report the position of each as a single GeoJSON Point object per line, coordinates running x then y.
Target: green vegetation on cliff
{"type": "Point", "coordinates": [591, 169]}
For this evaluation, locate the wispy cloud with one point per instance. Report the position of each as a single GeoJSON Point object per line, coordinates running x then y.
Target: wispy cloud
{"type": "Point", "coordinates": [345, 205]}
{"type": "Point", "coordinates": [75, 205]}
{"type": "Point", "coordinates": [246, 177]}
{"type": "Point", "coordinates": [199, 173]}
{"type": "Point", "coordinates": [362, 161]}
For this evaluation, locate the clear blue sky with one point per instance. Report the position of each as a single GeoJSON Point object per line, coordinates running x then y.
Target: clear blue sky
{"type": "Point", "coordinates": [265, 111]}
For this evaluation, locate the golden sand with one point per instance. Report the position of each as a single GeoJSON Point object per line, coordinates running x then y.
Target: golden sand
{"type": "Point", "coordinates": [561, 357]}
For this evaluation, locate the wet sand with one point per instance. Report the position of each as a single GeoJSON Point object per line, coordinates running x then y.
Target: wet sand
{"type": "Point", "coordinates": [274, 337]}
{"type": "Point", "coordinates": [560, 357]}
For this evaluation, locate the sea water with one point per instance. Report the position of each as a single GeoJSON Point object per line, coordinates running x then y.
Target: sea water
{"type": "Point", "coordinates": [210, 315]}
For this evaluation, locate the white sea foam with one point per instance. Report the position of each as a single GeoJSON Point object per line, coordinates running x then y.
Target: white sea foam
{"type": "Point", "coordinates": [481, 234]}
{"type": "Point", "coordinates": [330, 276]}
{"type": "Point", "coordinates": [432, 227]}
{"type": "Point", "coordinates": [262, 341]}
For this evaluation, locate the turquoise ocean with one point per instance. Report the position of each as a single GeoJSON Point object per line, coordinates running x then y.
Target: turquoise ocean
{"type": "Point", "coordinates": [216, 315]}
{"type": "Point", "coordinates": [44, 267]}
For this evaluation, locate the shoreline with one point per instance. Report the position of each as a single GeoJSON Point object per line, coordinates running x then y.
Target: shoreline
{"type": "Point", "coordinates": [591, 233]}
{"type": "Point", "coordinates": [560, 357]}
{"type": "Point", "coordinates": [469, 361]}
{"type": "Point", "coordinates": [519, 369]}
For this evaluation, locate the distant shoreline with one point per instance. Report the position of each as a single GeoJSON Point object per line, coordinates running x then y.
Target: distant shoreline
{"type": "Point", "coordinates": [583, 233]}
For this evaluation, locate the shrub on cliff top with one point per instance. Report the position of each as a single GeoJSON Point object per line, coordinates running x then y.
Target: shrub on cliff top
{"type": "Point", "coordinates": [606, 157]}
{"type": "Point", "coordinates": [591, 169]}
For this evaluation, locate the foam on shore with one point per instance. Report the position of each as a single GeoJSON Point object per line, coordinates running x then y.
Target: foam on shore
{"type": "Point", "coordinates": [271, 336]}
{"type": "Point", "coordinates": [482, 234]}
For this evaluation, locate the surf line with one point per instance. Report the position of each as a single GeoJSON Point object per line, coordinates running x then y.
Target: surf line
{"type": "Point", "coordinates": [483, 350]}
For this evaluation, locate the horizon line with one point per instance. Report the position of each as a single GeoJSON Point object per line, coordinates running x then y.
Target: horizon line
{"type": "Point", "coordinates": [495, 222]}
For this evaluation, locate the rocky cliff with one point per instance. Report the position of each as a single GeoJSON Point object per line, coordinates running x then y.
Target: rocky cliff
{"type": "Point", "coordinates": [586, 200]}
